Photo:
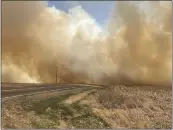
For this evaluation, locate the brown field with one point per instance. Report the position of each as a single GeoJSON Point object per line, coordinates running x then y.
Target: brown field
{"type": "Point", "coordinates": [109, 107]}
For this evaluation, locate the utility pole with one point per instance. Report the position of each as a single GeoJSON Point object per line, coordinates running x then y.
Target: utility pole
{"type": "Point", "coordinates": [56, 73]}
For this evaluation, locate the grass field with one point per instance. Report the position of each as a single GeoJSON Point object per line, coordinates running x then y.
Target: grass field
{"type": "Point", "coordinates": [111, 107]}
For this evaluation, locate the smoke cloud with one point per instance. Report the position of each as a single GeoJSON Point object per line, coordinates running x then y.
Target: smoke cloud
{"type": "Point", "coordinates": [44, 44]}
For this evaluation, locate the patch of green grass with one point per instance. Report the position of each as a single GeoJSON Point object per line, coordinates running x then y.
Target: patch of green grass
{"type": "Point", "coordinates": [50, 111]}
{"type": "Point", "coordinates": [161, 125]}
{"type": "Point", "coordinates": [53, 109]}
{"type": "Point", "coordinates": [86, 118]}
{"type": "Point", "coordinates": [52, 103]}
{"type": "Point", "coordinates": [88, 121]}
{"type": "Point", "coordinates": [44, 122]}
{"type": "Point", "coordinates": [9, 126]}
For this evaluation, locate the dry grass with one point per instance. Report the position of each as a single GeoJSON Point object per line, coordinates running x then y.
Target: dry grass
{"type": "Point", "coordinates": [52, 112]}
{"type": "Point", "coordinates": [115, 107]}
{"type": "Point", "coordinates": [132, 107]}
{"type": "Point", "coordinates": [78, 97]}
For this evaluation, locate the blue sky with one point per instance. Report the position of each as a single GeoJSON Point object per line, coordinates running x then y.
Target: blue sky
{"type": "Point", "coordinates": [100, 10]}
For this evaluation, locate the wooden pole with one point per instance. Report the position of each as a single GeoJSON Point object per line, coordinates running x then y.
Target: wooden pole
{"type": "Point", "coordinates": [56, 74]}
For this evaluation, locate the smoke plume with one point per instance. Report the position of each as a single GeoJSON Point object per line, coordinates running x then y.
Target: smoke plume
{"type": "Point", "coordinates": [44, 44]}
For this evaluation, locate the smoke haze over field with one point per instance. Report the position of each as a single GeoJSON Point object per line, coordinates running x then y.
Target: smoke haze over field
{"type": "Point", "coordinates": [38, 41]}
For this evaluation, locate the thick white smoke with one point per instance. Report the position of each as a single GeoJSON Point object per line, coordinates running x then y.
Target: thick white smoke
{"type": "Point", "coordinates": [43, 43]}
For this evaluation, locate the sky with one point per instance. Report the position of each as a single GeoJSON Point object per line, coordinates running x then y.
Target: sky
{"type": "Point", "coordinates": [99, 10]}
